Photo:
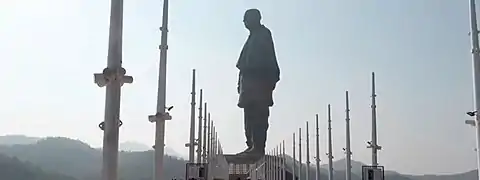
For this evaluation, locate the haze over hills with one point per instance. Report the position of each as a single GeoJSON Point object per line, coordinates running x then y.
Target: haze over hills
{"type": "Point", "coordinates": [54, 156]}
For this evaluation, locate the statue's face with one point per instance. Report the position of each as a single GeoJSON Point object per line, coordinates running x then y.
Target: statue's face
{"type": "Point", "coordinates": [250, 18]}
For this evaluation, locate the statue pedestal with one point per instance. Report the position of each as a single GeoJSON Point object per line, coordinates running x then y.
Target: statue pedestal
{"type": "Point", "coordinates": [238, 159]}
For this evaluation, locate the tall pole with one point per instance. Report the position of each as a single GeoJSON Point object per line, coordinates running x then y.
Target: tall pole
{"type": "Point", "coordinates": [374, 144]}
{"type": "Point", "coordinates": [209, 137]}
{"type": "Point", "coordinates": [191, 145]}
{"type": "Point", "coordinates": [161, 116]}
{"type": "Point", "coordinates": [113, 77]}
{"type": "Point", "coordinates": [300, 153]}
{"type": "Point", "coordinates": [199, 136]}
{"type": "Point", "coordinates": [317, 149]}
{"type": "Point", "coordinates": [276, 164]}
{"type": "Point", "coordinates": [476, 73]}
{"type": "Point", "coordinates": [205, 119]}
{"type": "Point", "coordinates": [347, 148]}
{"type": "Point", "coordinates": [284, 171]}
{"type": "Point", "coordinates": [330, 152]}
{"type": "Point", "coordinates": [294, 160]}
{"type": "Point", "coordinates": [308, 153]}
{"type": "Point", "coordinates": [279, 162]}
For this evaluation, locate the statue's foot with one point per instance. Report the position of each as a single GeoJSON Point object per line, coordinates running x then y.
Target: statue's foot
{"type": "Point", "coordinates": [246, 151]}
{"type": "Point", "coordinates": [254, 154]}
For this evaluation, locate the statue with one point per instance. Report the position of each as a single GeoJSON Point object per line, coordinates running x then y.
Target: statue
{"type": "Point", "coordinates": [258, 76]}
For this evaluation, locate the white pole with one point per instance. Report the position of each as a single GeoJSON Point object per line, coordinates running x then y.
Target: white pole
{"type": "Point", "coordinates": [308, 153]}
{"type": "Point", "coordinates": [213, 141]}
{"type": "Point", "coordinates": [300, 153]}
{"type": "Point", "coordinates": [347, 149]}
{"type": "Point", "coordinates": [317, 154]}
{"type": "Point", "coordinates": [476, 73]}
{"type": "Point", "coordinates": [205, 118]}
{"type": "Point", "coordinates": [160, 117]}
{"type": "Point", "coordinates": [191, 144]}
{"type": "Point", "coordinates": [284, 171]}
{"type": "Point", "coordinates": [374, 144]}
{"type": "Point", "coordinates": [279, 163]}
{"type": "Point", "coordinates": [330, 151]}
{"type": "Point", "coordinates": [113, 77]}
{"type": "Point", "coordinates": [199, 136]}
{"type": "Point", "coordinates": [294, 168]}
{"type": "Point", "coordinates": [275, 165]}
{"type": "Point", "coordinates": [209, 138]}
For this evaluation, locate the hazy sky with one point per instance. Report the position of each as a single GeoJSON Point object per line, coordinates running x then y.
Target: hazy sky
{"type": "Point", "coordinates": [420, 50]}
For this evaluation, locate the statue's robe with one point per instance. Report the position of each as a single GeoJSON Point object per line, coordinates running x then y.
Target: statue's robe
{"type": "Point", "coordinates": [259, 71]}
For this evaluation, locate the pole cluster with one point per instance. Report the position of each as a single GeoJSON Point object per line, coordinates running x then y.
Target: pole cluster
{"type": "Point", "coordinates": [298, 170]}
{"type": "Point", "coordinates": [206, 140]}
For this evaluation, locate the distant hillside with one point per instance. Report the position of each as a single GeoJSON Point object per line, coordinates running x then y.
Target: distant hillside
{"type": "Point", "coordinates": [133, 146]}
{"type": "Point", "coordinates": [14, 169]}
{"type": "Point", "coordinates": [77, 159]}
{"type": "Point", "coordinates": [17, 139]}
{"type": "Point", "coordinates": [470, 175]}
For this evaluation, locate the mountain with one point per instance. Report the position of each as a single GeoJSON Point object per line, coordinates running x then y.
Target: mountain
{"type": "Point", "coordinates": [17, 139]}
{"type": "Point", "coordinates": [75, 159]}
{"type": "Point", "coordinates": [470, 175]}
{"type": "Point", "coordinates": [14, 169]}
{"type": "Point", "coordinates": [133, 146]}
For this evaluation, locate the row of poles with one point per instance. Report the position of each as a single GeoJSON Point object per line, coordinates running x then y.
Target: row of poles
{"type": "Point", "coordinates": [113, 77]}
{"type": "Point", "coordinates": [278, 159]}
{"type": "Point", "coordinates": [207, 142]}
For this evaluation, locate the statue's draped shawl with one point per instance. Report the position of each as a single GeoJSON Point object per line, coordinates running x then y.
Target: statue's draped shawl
{"type": "Point", "coordinates": [258, 56]}
{"type": "Point", "coordinates": [259, 71]}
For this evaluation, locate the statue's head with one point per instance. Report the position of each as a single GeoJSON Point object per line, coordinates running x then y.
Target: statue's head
{"type": "Point", "coordinates": [252, 18]}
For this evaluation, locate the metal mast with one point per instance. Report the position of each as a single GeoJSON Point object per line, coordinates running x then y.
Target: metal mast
{"type": "Point", "coordinates": [204, 151]}
{"type": "Point", "coordinates": [374, 144]}
{"type": "Point", "coordinates": [329, 154]}
{"type": "Point", "coordinates": [161, 116]}
{"type": "Point", "coordinates": [347, 148]}
{"type": "Point", "coordinates": [199, 135]}
{"type": "Point", "coordinates": [294, 177]}
{"type": "Point", "coordinates": [191, 144]}
{"type": "Point", "coordinates": [308, 153]}
{"type": "Point", "coordinates": [284, 164]}
{"type": "Point", "coordinates": [476, 73]}
{"type": "Point", "coordinates": [209, 137]}
{"type": "Point", "coordinates": [300, 154]}
{"type": "Point", "coordinates": [317, 149]}
{"type": "Point", "coordinates": [113, 77]}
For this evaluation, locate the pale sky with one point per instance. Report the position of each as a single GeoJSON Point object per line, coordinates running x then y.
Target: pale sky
{"type": "Point", "coordinates": [419, 49]}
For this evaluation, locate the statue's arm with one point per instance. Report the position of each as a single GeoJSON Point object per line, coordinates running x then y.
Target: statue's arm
{"type": "Point", "coordinates": [239, 81]}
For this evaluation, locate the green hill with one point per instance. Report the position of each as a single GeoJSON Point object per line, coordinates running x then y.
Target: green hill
{"type": "Point", "coordinates": [14, 169]}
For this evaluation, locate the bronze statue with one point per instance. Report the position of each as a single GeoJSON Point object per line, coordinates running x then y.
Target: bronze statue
{"type": "Point", "coordinates": [258, 76]}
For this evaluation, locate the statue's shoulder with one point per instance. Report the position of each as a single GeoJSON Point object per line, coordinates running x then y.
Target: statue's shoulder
{"type": "Point", "coordinates": [266, 30]}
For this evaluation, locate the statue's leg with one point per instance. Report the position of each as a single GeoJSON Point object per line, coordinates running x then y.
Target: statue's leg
{"type": "Point", "coordinates": [260, 128]}
{"type": "Point", "coordinates": [247, 118]}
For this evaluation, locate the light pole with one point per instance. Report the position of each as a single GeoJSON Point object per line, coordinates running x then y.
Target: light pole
{"type": "Point", "coordinates": [476, 72]}
{"type": "Point", "coordinates": [161, 116]}
{"type": "Point", "coordinates": [113, 77]}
